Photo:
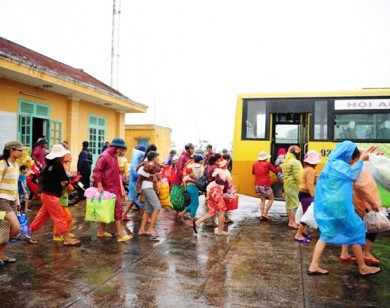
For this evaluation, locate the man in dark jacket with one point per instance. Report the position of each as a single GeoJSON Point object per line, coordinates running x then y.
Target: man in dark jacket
{"type": "Point", "coordinates": [84, 164]}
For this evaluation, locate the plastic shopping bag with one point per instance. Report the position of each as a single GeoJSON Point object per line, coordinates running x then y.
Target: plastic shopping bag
{"type": "Point", "coordinates": [376, 222]}
{"type": "Point", "coordinates": [179, 198]}
{"type": "Point", "coordinates": [379, 167]}
{"type": "Point", "coordinates": [298, 214]}
{"type": "Point", "coordinates": [163, 196]}
{"type": "Point", "coordinates": [231, 202]}
{"type": "Point", "coordinates": [308, 217]}
{"type": "Point", "coordinates": [24, 232]}
{"type": "Point", "coordinates": [100, 210]}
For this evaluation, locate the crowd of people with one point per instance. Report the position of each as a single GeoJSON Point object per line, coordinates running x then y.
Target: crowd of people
{"type": "Point", "coordinates": [110, 174]}
{"type": "Point", "coordinates": [341, 195]}
{"type": "Point", "coordinates": [342, 192]}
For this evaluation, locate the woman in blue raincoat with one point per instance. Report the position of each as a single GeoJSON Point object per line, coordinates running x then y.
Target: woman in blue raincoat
{"type": "Point", "coordinates": [333, 209]}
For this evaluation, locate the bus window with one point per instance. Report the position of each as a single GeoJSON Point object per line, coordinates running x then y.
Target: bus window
{"type": "Point", "coordinates": [384, 130]}
{"type": "Point", "coordinates": [320, 120]}
{"type": "Point", "coordinates": [286, 133]}
{"type": "Point", "coordinates": [362, 127]}
{"type": "Point", "coordinates": [254, 120]}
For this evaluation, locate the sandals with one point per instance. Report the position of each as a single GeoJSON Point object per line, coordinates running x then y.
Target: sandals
{"type": "Point", "coordinates": [348, 259]}
{"type": "Point", "coordinates": [223, 233]}
{"type": "Point", "coordinates": [72, 242]}
{"type": "Point", "coordinates": [372, 261]}
{"type": "Point", "coordinates": [125, 238]}
{"type": "Point", "coordinates": [228, 221]}
{"type": "Point", "coordinates": [8, 260]}
{"type": "Point", "coordinates": [152, 234]}
{"type": "Point", "coordinates": [32, 241]}
{"type": "Point", "coordinates": [104, 234]}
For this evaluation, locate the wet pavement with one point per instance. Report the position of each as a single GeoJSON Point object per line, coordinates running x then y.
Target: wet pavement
{"type": "Point", "coordinates": [257, 265]}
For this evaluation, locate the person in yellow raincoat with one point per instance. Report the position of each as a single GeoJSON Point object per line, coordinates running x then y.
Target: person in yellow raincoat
{"type": "Point", "coordinates": [292, 171]}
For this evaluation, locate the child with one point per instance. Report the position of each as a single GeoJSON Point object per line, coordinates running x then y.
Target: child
{"type": "Point", "coordinates": [152, 167]}
{"type": "Point", "coordinates": [24, 192]}
{"type": "Point", "coordinates": [214, 199]}
{"type": "Point", "coordinates": [193, 169]}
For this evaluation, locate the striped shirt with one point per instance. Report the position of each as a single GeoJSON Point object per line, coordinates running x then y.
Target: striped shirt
{"type": "Point", "coordinates": [9, 181]}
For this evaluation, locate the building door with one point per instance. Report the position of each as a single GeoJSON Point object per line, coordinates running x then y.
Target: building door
{"type": "Point", "coordinates": [96, 135]}
{"type": "Point", "coordinates": [33, 122]}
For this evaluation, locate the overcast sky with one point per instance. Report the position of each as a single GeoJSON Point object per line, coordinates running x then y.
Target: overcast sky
{"type": "Point", "coordinates": [188, 60]}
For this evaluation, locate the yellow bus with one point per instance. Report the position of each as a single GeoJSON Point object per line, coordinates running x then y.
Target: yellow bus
{"type": "Point", "coordinates": [314, 121]}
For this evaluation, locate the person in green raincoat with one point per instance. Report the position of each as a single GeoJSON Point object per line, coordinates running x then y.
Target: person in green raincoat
{"type": "Point", "coordinates": [292, 172]}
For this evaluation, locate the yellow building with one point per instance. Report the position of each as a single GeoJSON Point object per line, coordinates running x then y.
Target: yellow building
{"type": "Point", "coordinates": [149, 134]}
{"type": "Point", "coordinates": [40, 96]}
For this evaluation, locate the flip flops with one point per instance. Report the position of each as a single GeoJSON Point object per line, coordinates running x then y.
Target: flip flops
{"type": "Point", "coordinates": [372, 261]}
{"type": "Point", "coordinates": [125, 238]}
{"type": "Point", "coordinates": [348, 259]}
{"type": "Point", "coordinates": [32, 241]}
{"type": "Point", "coordinates": [317, 273]}
{"type": "Point", "coordinates": [304, 240]}
{"type": "Point", "coordinates": [194, 226]}
{"type": "Point", "coordinates": [104, 234]}
{"type": "Point", "coordinates": [8, 260]}
{"type": "Point", "coordinates": [371, 273]}
{"type": "Point", "coordinates": [72, 243]}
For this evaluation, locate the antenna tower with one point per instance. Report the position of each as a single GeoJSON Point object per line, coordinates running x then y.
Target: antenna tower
{"type": "Point", "coordinates": [116, 12]}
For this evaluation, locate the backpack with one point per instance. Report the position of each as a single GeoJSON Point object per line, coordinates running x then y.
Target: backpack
{"type": "Point", "coordinates": [202, 183]}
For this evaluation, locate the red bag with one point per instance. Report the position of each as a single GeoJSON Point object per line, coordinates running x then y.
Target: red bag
{"type": "Point", "coordinates": [231, 202]}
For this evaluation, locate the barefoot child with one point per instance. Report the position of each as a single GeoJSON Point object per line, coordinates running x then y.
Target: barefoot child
{"type": "Point", "coordinates": [214, 199]}
{"type": "Point", "coordinates": [24, 192]}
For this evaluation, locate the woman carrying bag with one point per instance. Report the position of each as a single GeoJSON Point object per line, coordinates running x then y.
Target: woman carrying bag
{"type": "Point", "coordinates": [54, 182]}
{"type": "Point", "coordinates": [9, 175]}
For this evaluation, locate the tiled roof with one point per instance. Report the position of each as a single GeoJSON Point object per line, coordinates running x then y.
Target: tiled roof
{"type": "Point", "coordinates": [17, 53]}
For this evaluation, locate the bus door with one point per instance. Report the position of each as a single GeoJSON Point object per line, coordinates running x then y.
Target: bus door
{"type": "Point", "coordinates": [289, 129]}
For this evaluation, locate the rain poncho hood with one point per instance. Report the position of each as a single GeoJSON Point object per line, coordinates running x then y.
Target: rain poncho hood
{"type": "Point", "coordinates": [292, 171]}
{"type": "Point", "coordinates": [334, 212]}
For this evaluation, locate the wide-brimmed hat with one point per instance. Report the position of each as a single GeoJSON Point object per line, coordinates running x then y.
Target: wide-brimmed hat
{"type": "Point", "coordinates": [263, 155]}
{"type": "Point", "coordinates": [118, 143]}
{"type": "Point", "coordinates": [312, 157]}
{"type": "Point", "coordinates": [57, 151]}
{"type": "Point", "coordinates": [14, 145]}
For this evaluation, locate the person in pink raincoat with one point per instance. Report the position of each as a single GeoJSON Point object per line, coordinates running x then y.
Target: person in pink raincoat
{"type": "Point", "coordinates": [107, 177]}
